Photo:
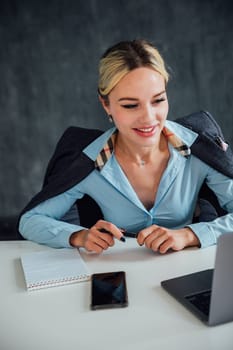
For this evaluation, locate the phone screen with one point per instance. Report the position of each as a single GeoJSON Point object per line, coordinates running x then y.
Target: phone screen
{"type": "Point", "coordinates": [108, 290]}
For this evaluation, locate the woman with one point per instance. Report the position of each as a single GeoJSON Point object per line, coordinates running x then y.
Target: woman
{"type": "Point", "coordinates": [144, 178]}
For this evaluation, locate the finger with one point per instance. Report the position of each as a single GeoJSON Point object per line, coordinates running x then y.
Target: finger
{"type": "Point", "coordinates": [92, 247]}
{"type": "Point", "coordinates": [95, 243]}
{"type": "Point", "coordinates": [153, 237]}
{"type": "Point", "coordinates": [110, 228]}
{"type": "Point", "coordinates": [147, 232]}
{"type": "Point", "coordinates": [143, 234]}
{"type": "Point", "coordinates": [165, 246]}
{"type": "Point", "coordinates": [103, 234]}
{"type": "Point", "coordinates": [106, 237]}
{"type": "Point", "coordinates": [101, 239]}
{"type": "Point", "coordinates": [159, 239]}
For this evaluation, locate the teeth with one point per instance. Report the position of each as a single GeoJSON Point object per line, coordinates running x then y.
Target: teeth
{"type": "Point", "coordinates": [146, 129]}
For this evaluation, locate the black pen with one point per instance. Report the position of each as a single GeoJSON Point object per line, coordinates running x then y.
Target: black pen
{"type": "Point", "coordinates": [129, 234]}
{"type": "Point", "coordinates": [122, 239]}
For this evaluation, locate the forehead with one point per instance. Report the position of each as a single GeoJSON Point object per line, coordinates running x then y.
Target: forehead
{"type": "Point", "coordinates": [139, 82]}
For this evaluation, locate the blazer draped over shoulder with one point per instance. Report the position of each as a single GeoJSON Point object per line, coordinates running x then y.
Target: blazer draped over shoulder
{"type": "Point", "coordinates": [69, 165]}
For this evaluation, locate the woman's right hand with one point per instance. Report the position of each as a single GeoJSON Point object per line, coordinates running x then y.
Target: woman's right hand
{"type": "Point", "coordinates": [94, 239]}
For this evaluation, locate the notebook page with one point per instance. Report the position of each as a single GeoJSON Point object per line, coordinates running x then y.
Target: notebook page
{"type": "Point", "coordinates": [53, 267]}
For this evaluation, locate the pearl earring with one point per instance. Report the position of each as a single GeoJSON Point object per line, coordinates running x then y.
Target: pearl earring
{"type": "Point", "coordinates": [110, 118]}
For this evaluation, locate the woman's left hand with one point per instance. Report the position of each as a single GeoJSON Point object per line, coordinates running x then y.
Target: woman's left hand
{"type": "Point", "coordinates": [161, 239]}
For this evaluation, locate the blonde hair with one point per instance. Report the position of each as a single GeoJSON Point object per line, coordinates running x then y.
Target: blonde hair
{"type": "Point", "coordinates": [125, 56]}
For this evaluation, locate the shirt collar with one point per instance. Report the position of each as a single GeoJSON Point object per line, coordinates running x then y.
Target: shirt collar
{"type": "Point", "coordinates": [101, 149]}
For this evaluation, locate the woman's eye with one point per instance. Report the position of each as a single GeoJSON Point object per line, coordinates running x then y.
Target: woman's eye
{"type": "Point", "coordinates": [135, 105]}
{"type": "Point", "coordinates": [130, 106]}
{"type": "Point", "coordinates": [158, 100]}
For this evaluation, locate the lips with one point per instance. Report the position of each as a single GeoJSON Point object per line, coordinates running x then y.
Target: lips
{"type": "Point", "coordinates": [145, 131]}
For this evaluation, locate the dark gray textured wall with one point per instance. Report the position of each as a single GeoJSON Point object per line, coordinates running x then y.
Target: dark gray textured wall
{"type": "Point", "coordinates": [49, 52]}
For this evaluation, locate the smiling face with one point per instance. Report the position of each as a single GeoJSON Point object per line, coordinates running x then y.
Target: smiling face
{"type": "Point", "coordinates": [139, 107]}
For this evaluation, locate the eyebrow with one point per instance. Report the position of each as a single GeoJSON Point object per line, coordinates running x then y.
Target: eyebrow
{"type": "Point", "coordinates": [136, 99]}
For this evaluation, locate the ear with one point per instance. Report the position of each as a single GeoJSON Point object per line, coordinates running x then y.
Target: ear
{"type": "Point", "coordinates": [105, 104]}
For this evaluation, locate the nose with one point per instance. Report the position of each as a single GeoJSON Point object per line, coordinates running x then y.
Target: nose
{"type": "Point", "coordinates": [148, 114]}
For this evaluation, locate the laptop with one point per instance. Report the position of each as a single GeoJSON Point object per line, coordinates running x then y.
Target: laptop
{"type": "Point", "coordinates": [209, 293]}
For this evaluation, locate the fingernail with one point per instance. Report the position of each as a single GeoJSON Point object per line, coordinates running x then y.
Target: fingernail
{"type": "Point", "coordinates": [122, 239]}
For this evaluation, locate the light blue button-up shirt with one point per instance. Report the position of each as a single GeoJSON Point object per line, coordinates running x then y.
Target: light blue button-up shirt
{"type": "Point", "coordinates": [174, 204]}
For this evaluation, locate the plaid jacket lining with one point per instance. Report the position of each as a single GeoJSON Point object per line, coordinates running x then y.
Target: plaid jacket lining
{"type": "Point", "coordinates": [107, 150]}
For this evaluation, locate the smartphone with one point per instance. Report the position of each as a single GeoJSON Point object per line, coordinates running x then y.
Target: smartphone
{"type": "Point", "coordinates": [108, 290]}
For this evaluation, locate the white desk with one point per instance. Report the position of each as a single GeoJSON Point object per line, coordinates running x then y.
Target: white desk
{"type": "Point", "coordinates": [60, 319]}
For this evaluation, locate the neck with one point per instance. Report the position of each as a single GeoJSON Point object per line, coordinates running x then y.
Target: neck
{"type": "Point", "coordinates": [140, 156]}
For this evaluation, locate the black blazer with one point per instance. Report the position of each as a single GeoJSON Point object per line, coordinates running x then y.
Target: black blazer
{"type": "Point", "coordinates": [69, 165]}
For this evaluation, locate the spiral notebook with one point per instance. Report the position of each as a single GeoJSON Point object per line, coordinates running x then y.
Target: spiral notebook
{"type": "Point", "coordinates": [52, 268]}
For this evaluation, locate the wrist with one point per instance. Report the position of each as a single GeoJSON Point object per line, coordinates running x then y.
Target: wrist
{"type": "Point", "coordinates": [191, 238]}
{"type": "Point", "coordinates": [77, 238]}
